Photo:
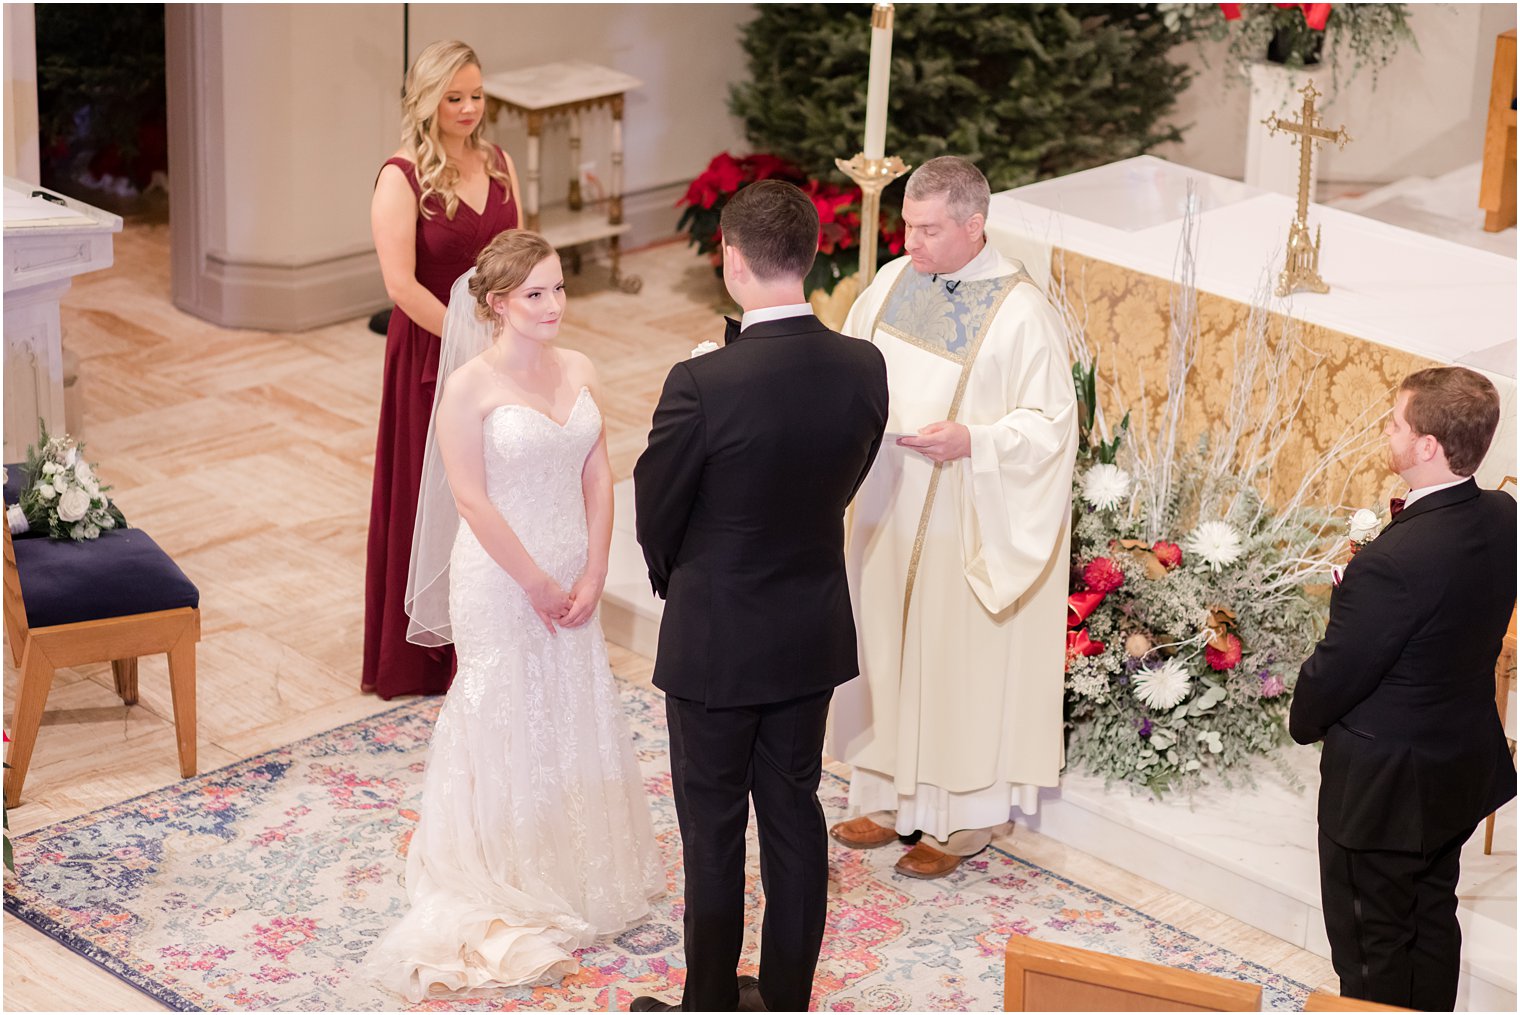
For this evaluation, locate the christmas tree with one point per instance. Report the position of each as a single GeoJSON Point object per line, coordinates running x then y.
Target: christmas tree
{"type": "Point", "coordinates": [1026, 91]}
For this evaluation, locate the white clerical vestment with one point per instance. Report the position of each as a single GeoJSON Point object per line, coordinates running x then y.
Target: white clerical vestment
{"type": "Point", "coordinates": [959, 582]}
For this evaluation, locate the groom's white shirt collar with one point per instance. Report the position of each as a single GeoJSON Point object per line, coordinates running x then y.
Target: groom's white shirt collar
{"type": "Point", "coordinates": [774, 314]}
{"type": "Point", "coordinates": [1425, 491]}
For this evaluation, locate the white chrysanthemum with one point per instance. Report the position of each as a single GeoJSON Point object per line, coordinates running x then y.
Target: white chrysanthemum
{"type": "Point", "coordinates": [1217, 543]}
{"type": "Point", "coordinates": [1104, 486]}
{"type": "Point", "coordinates": [1164, 686]}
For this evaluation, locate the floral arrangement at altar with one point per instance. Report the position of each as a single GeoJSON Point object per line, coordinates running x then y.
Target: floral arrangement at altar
{"type": "Point", "coordinates": [838, 215]}
{"type": "Point", "coordinates": [62, 496]}
{"type": "Point", "coordinates": [1297, 35]}
{"type": "Point", "coordinates": [1193, 601]}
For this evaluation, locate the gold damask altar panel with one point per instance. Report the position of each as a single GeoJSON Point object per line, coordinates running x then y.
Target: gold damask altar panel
{"type": "Point", "coordinates": [1350, 381]}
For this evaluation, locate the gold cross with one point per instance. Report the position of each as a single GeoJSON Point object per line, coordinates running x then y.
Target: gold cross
{"type": "Point", "coordinates": [1302, 268]}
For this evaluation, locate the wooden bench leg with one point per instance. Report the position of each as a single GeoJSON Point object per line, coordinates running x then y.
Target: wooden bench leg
{"type": "Point", "coordinates": [1501, 211]}
{"type": "Point", "coordinates": [182, 691]}
{"type": "Point", "coordinates": [125, 671]}
{"type": "Point", "coordinates": [36, 680]}
{"type": "Point", "coordinates": [1488, 836]}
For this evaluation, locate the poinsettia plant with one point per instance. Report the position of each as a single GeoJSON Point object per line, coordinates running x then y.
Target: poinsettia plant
{"type": "Point", "coordinates": [838, 215]}
{"type": "Point", "coordinates": [1298, 34]}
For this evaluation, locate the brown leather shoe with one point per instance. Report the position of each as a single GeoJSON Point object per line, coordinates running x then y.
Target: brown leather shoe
{"type": "Point", "coordinates": [862, 833]}
{"type": "Point", "coordinates": [924, 861]}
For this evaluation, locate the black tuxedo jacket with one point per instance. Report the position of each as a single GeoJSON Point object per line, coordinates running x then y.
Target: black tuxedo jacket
{"type": "Point", "coordinates": [1401, 689]}
{"type": "Point", "coordinates": [755, 453]}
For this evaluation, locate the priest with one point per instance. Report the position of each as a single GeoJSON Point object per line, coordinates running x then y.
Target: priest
{"type": "Point", "coordinates": [958, 540]}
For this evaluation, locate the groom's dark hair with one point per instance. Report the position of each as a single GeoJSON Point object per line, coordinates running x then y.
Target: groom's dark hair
{"type": "Point", "coordinates": [775, 226]}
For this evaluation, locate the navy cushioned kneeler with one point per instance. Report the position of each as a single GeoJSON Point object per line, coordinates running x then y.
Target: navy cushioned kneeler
{"type": "Point", "coordinates": [121, 573]}
{"type": "Point", "coordinates": [14, 478]}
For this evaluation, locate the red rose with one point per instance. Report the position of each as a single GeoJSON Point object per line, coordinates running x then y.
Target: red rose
{"type": "Point", "coordinates": [1103, 575]}
{"type": "Point", "coordinates": [1169, 554]}
{"type": "Point", "coordinates": [1226, 659]}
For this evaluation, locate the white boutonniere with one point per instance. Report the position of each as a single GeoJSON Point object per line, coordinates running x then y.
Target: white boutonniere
{"type": "Point", "coordinates": [1363, 527]}
{"type": "Point", "coordinates": [704, 348]}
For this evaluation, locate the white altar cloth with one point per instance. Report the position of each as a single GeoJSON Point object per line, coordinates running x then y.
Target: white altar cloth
{"type": "Point", "coordinates": [1419, 294]}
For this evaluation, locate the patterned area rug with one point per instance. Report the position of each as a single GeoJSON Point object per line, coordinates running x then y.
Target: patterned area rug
{"type": "Point", "coordinates": [262, 886]}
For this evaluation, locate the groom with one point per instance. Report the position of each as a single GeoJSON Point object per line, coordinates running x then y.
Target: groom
{"type": "Point", "coordinates": [756, 450]}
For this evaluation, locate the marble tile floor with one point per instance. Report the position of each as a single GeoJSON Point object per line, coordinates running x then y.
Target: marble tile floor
{"type": "Point", "coordinates": [247, 455]}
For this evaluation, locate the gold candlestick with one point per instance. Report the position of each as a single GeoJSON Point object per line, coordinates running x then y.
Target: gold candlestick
{"type": "Point", "coordinates": [1302, 268]}
{"type": "Point", "coordinates": [872, 176]}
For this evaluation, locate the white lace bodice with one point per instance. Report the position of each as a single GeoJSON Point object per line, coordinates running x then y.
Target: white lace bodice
{"type": "Point", "coordinates": [533, 477]}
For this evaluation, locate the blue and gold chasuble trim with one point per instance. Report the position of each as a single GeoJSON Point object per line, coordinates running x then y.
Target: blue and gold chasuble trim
{"type": "Point", "coordinates": [923, 311]}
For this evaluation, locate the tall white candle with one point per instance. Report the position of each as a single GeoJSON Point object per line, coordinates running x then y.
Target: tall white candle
{"type": "Point", "coordinates": [880, 78]}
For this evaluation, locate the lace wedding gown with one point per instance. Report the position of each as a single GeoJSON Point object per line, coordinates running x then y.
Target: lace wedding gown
{"type": "Point", "coordinates": [534, 835]}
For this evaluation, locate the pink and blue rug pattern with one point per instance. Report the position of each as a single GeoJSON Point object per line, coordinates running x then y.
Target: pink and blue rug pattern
{"type": "Point", "coordinates": [262, 886]}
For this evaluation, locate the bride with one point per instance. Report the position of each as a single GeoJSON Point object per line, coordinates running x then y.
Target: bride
{"type": "Point", "coordinates": [534, 835]}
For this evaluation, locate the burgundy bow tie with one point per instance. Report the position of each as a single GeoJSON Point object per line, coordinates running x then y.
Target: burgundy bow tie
{"type": "Point", "coordinates": [1395, 505]}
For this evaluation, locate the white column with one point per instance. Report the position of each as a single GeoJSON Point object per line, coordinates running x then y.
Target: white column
{"type": "Point", "coordinates": [33, 365]}
{"type": "Point", "coordinates": [21, 151]}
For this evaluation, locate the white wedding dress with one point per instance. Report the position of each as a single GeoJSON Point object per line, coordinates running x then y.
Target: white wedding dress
{"type": "Point", "coordinates": [534, 836]}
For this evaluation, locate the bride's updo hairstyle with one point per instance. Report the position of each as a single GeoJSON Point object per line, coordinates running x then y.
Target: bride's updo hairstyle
{"type": "Point", "coordinates": [504, 265]}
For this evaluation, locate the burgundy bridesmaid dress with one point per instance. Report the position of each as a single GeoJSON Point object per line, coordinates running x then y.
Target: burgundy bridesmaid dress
{"type": "Point", "coordinates": [445, 250]}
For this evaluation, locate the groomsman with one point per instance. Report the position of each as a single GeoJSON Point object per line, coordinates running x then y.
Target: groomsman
{"type": "Point", "coordinates": [1401, 691]}
{"type": "Point", "coordinates": [756, 451]}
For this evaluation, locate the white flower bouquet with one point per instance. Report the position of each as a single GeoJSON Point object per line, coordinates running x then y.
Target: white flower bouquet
{"type": "Point", "coordinates": [63, 497]}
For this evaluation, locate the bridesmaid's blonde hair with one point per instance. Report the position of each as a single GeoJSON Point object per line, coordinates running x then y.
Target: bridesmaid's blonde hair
{"type": "Point", "coordinates": [504, 265]}
{"type": "Point", "coordinates": [426, 84]}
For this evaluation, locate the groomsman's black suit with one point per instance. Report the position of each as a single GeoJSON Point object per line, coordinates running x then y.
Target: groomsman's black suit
{"type": "Point", "coordinates": [755, 453]}
{"type": "Point", "coordinates": [1401, 690]}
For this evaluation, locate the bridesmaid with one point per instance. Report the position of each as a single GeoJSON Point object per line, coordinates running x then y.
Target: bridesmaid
{"type": "Point", "coordinates": [437, 203]}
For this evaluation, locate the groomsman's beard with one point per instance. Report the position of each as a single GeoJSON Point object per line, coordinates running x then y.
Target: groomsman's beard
{"type": "Point", "coordinates": [1400, 464]}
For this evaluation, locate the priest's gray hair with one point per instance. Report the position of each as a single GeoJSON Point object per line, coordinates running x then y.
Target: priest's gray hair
{"type": "Point", "coordinates": [965, 188]}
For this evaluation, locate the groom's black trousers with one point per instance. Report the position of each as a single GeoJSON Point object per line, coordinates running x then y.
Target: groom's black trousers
{"type": "Point", "coordinates": [719, 759]}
